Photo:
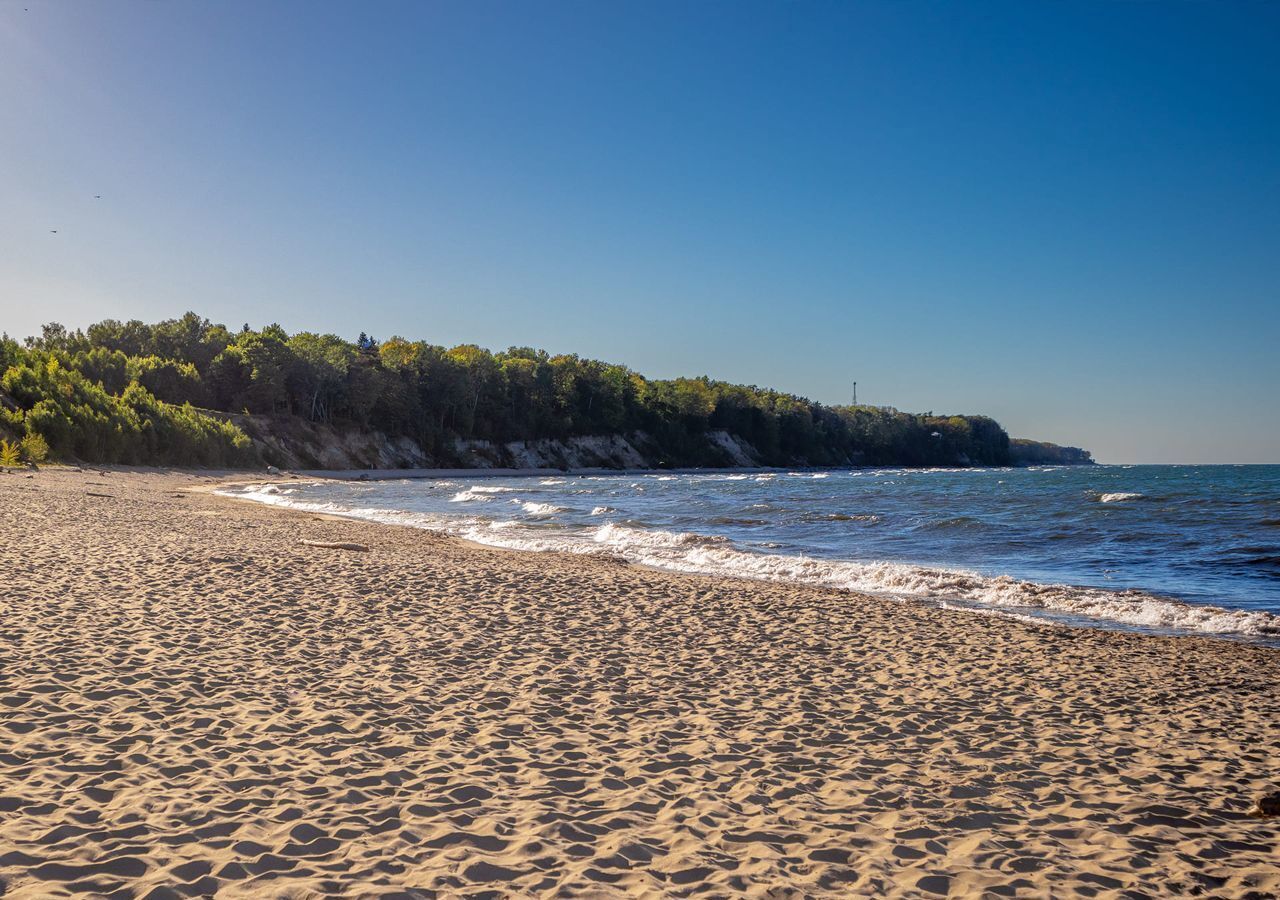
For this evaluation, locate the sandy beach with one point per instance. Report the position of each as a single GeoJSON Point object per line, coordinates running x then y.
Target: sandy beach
{"type": "Point", "coordinates": [195, 703]}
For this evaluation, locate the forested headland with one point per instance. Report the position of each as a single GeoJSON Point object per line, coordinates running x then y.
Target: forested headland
{"type": "Point", "coordinates": [190, 392]}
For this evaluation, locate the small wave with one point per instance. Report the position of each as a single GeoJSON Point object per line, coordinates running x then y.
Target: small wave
{"type": "Point", "coordinates": [953, 523]}
{"type": "Point", "coordinates": [1255, 557]}
{"type": "Point", "coordinates": [602, 510]}
{"type": "Point", "coordinates": [622, 537]}
{"type": "Point", "coordinates": [1120, 497]}
{"type": "Point", "coordinates": [839, 517]}
{"type": "Point", "coordinates": [550, 481]}
{"type": "Point", "coordinates": [479, 492]}
{"type": "Point", "coordinates": [540, 509]}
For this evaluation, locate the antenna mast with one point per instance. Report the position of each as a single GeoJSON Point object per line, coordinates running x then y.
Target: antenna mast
{"type": "Point", "coordinates": [855, 393]}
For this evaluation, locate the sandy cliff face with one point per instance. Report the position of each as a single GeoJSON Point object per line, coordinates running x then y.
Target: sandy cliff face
{"type": "Point", "coordinates": [305, 445]}
{"type": "Point", "coordinates": [298, 444]}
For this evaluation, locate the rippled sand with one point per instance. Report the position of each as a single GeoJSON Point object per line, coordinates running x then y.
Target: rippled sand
{"type": "Point", "coordinates": [193, 703]}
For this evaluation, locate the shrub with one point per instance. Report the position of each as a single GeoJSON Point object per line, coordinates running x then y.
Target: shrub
{"type": "Point", "coordinates": [35, 448]}
{"type": "Point", "coordinates": [9, 457]}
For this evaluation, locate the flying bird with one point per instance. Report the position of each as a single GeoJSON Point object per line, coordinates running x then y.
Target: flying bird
{"type": "Point", "coordinates": [53, 231]}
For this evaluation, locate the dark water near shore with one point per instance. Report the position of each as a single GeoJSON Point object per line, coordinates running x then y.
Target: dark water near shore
{"type": "Point", "coordinates": [1161, 548]}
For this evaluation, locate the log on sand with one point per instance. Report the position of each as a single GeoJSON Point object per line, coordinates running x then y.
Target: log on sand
{"type": "Point", "coordinates": [336, 545]}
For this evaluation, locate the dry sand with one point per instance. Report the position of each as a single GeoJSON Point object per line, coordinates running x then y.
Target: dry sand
{"type": "Point", "coordinates": [194, 703]}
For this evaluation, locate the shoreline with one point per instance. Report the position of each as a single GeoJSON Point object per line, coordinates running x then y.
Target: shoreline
{"type": "Point", "coordinates": [410, 474]}
{"type": "Point", "coordinates": [238, 713]}
{"type": "Point", "coordinates": [1057, 616]}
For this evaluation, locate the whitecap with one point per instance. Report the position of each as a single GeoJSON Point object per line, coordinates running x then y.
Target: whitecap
{"type": "Point", "coordinates": [479, 492]}
{"type": "Point", "coordinates": [540, 509]}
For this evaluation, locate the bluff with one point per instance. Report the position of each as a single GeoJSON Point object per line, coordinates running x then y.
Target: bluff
{"type": "Point", "coordinates": [190, 392]}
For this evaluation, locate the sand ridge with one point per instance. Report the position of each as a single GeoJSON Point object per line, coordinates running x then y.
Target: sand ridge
{"type": "Point", "coordinates": [194, 703]}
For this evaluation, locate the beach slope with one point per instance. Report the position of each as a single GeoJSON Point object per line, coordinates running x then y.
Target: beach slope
{"type": "Point", "coordinates": [194, 702]}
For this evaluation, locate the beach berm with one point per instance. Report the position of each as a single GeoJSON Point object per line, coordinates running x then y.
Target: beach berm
{"type": "Point", "coordinates": [193, 701]}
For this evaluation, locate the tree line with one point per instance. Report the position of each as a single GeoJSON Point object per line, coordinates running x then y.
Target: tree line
{"type": "Point", "coordinates": [167, 393]}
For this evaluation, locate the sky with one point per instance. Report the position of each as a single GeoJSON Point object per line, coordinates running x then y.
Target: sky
{"type": "Point", "coordinates": [1063, 215]}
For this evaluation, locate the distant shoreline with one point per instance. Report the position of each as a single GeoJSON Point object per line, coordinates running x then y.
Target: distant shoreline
{"type": "Point", "coordinates": [395, 474]}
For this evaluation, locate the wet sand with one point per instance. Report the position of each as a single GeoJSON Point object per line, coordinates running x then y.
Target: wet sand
{"type": "Point", "coordinates": [192, 703]}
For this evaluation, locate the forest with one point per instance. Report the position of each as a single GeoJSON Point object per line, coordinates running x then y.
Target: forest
{"type": "Point", "coordinates": [170, 393]}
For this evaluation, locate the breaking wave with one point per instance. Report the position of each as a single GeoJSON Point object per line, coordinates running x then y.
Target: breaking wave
{"type": "Point", "coordinates": [479, 492]}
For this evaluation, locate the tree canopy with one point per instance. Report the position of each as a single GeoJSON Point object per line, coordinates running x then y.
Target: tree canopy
{"type": "Point", "coordinates": [137, 392]}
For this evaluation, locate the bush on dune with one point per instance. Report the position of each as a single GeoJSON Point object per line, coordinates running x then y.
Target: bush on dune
{"type": "Point", "coordinates": [64, 414]}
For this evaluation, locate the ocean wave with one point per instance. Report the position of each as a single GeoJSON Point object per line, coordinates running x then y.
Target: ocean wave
{"type": "Point", "coordinates": [953, 523]}
{"type": "Point", "coordinates": [622, 537]}
{"type": "Point", "coordinates": [479, 492]}
{"type": "Point", "coordinates": [1120, 497]}
{"type": "Point", "coordinates": [839, 517]}
{"type": "Point", "coordinates": [539, 509]}
{"type": "Point", "coordinates": [602, 510]}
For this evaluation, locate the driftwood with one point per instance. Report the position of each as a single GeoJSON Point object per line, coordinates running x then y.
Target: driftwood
{"type": "Point", "coordinates": [336, 545]}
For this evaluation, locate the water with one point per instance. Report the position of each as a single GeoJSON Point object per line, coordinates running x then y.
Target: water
{"type": "Point", "coordinates": [1169, 549]}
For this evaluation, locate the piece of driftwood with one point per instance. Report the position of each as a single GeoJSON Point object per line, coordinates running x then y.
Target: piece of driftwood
{"type": "Point", "coordinates": [337, 545]}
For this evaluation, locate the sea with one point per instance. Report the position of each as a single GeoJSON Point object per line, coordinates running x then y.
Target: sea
{"type": "Point", "coordinates": [1160, 549]}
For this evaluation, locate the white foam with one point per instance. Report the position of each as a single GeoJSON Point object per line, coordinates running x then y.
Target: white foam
{"type": "Point", "coordinates": [1119, 497]}
{"type": "Point", "coordinates": [479, 492]}
{"type": "Point", "coordinates": [602, 510]}
{"type": "Point", "coordinates": [540, 509]}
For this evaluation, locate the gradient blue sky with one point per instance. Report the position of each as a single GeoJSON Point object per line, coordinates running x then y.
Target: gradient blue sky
{"type": "Point", "coordinates": [1065, 215]}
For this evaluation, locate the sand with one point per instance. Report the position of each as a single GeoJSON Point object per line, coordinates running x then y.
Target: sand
{"type": "Point", "coordinates": [193, 703]}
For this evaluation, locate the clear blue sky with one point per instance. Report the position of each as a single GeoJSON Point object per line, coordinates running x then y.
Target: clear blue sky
{"type": "Point", "coordinates": [1065, 215]}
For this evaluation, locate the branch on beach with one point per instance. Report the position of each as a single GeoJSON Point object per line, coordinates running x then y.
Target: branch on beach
{"type": "Point", "coordinates": [336, 545]}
